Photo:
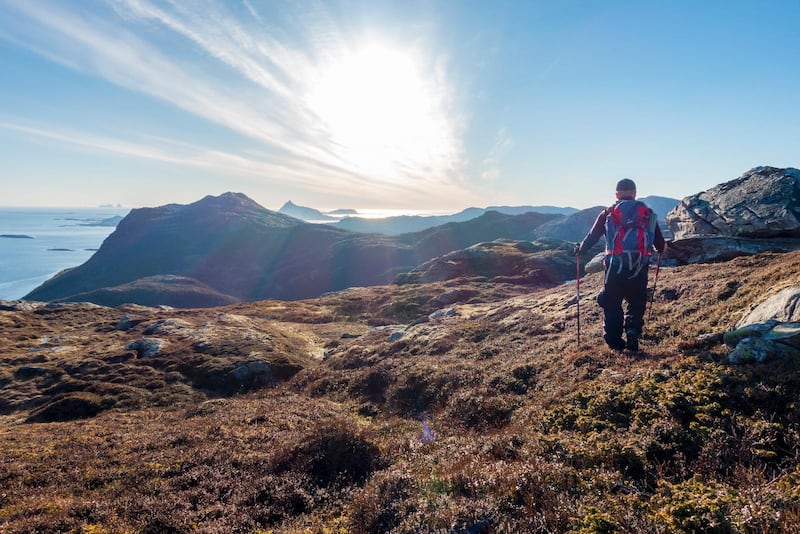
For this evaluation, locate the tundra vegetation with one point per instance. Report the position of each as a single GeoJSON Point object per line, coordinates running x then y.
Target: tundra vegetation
{"type": "Point", "coordinates": [304, 417]}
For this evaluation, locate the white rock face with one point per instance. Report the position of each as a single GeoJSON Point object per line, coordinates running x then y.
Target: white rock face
{"type": "Point", "coordinates": [783, 307]}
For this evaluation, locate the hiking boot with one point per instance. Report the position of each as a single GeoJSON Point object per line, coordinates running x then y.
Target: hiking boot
{"type": "Point", "coordinates": [616, 344]}
{"type": "Point", "coordinates": [633, 342]}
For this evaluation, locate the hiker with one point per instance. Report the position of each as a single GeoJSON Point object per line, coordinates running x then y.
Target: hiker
{"type": "Point", "coordinates": [631, 232]}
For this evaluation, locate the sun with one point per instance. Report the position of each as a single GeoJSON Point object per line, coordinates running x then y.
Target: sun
{"type": "Point", "coordinates": [384, 116]}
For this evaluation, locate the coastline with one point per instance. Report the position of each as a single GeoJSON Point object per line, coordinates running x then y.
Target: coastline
{"type": "Point", "coordinates": [38, 243]}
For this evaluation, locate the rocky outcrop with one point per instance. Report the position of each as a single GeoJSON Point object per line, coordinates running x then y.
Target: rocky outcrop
{"type": "Point", "coordinates": [762, 342]}
{"type": "Point", "coordinates": [757, 212]}
{"type": "Point", "coordinates": [769, 331]}
{"type": "Point", "coordinates": [499, 261]}
{"type": "Point", "coordinates": [763, 202]}
{"type": "Point", "coordinates": [710, 249]}
{"type": "Point", "coordinates": [20, 305]}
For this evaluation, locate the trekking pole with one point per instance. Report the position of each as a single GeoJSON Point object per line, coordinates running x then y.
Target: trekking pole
{"type": "Point", "coordinates": [655, 281]}
{"type": "Point", "coordinates": [578, 300]}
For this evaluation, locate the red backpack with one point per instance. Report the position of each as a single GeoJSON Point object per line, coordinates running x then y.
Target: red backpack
{"type": "Point", "coordinates": [630, 232]}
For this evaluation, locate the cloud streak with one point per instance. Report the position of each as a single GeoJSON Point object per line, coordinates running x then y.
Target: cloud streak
{"type": "Point", "coordinates": [231, 70]}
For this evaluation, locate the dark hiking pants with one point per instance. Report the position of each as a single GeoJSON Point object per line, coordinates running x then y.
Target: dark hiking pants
{"type": "Point", "coordinates": [619, 287]}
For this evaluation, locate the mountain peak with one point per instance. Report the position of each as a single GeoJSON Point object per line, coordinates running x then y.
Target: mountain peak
{"type": "Point", "coordinates": [236, 205]}
{"type": "Point", "coordinates": [303, 213]}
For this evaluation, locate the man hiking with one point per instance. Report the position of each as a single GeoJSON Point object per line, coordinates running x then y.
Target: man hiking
{"type": "Point", "coordinates": [631, 231]}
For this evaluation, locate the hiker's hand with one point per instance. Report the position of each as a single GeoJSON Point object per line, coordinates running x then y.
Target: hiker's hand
{"type": "Point", "coordinates": [576, 249]}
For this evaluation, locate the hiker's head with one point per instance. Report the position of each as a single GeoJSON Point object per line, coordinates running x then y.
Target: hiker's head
{"type": "Point", "coordinates": [626, 189]}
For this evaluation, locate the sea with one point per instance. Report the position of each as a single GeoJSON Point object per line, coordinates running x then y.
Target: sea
{"type": "Point", "coordinates": [37, 243]}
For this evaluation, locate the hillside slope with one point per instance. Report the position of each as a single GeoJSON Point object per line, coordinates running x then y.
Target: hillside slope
{"type": "Point", "coordinates": [402, 409]}
{"type": "Point", "coordinates": [229, 248]}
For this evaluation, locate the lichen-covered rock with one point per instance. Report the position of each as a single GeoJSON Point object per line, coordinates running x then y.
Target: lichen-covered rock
{"type": "Point", "coordinates": [758, 343]}
{"type": "Point", "coordinates": [734, 337]}
{"type": "Point", "coordinates": [753, 350]}
{"type": "Point", "coordinates": [763, 202]}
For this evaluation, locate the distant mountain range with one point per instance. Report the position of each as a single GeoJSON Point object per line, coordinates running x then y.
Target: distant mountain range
{"type": "Point", "coordinates": [303, 213]}
{"type": "Point", "coordinates": [229, 248]}
{"type": "Point", "coordinates": [234, 249]}
{"type": "Point", "coordinates": [402, 224]}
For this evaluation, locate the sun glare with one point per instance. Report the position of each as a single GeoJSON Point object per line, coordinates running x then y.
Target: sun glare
{"type": "Point", "coordinates": [384, 117]}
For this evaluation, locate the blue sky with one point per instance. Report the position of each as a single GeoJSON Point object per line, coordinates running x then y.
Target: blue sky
{"type": "Point", "coordinates": [434, 105]}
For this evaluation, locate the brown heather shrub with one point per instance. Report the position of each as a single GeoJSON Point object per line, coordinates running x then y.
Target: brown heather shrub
{"type": "Point", "coordinates": [533, 433]}
{"type": "Point", "coordinates": [334, 453]}
{"type": "Point", "coordinates": [68, 406]}
{"type": "Point", "coordinates": [383, 503]}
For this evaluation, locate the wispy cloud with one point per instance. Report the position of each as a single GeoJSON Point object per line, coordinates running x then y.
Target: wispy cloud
{"type": "Point", "coordinates": [226, 66]}
{"type": "Point", "coordinates": [492, 163]}
{"type": "Point", "coordinates": [253, 167]}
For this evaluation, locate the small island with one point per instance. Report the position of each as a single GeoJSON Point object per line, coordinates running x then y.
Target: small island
{"type": "Point", "coordinates": [16, 236]}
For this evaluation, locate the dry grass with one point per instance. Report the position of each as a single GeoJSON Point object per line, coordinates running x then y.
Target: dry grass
{"type": "Point", "coordinates": [532, 433]}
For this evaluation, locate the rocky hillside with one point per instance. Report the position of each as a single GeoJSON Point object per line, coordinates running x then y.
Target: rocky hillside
{"type": "Point", "coordinates": [456, 406]}
{"type": "Point", "coordinates": [228, 248]}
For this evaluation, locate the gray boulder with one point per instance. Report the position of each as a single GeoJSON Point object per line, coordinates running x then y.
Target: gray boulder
{"type": "Point", "coordinates": [763, 202]}
{"type": "Point", "coordinates": [770, 331]}
{"type": "Point", "coordinates": [595, 265]}
{"type": "Point", "coordinates": [784, 306]}
{"type": "Point", "coordinates": [147, 346]}
{"type": "Point", "coordinates": [125, 323]}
